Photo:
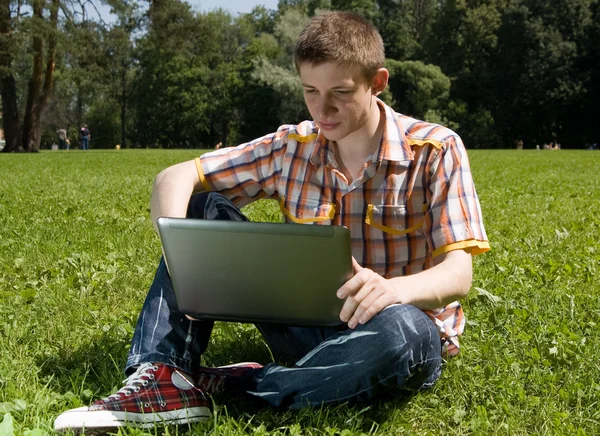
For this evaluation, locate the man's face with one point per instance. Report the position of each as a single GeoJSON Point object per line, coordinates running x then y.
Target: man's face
{"type": "Point", "coordinates": [338, 99]}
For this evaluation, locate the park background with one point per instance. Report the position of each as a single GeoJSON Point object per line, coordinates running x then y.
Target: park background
{"type": "Point", "coordinates": [164, 74]}
{"type": "Point", "coordinates": [78, 252]}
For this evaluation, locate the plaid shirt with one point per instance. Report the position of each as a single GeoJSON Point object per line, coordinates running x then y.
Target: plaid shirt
{"type": "Point", "coordinates": [414, 199]}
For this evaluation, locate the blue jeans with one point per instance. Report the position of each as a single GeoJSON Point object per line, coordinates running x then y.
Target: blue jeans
{"type": "Point", "coordinates": [399, 348]}
{"type": "Point", "coordinates": [85, 142]}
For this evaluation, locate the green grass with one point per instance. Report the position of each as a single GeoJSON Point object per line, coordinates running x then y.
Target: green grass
{"type": "Point", "coordinates": [77, 253]}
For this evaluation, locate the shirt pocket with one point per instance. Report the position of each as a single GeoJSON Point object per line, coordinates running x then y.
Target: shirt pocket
{"type": "Point", "coordinates": [396, 219]}
{"type": "Point", "coordinates": [307, 211]}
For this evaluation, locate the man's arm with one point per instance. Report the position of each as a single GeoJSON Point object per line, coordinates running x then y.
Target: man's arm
{"type": "Point", "coordinates": [369, 293]}
{"type": "Point", "coordinates": [172, 190]}
{"type": "Point", "coordinates": [449, 280]}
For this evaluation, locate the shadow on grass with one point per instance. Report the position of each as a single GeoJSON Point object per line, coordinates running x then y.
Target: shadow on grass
{"type": "Point", "coordinates": [95, 369]}
{"type": "Point", "coordinates": [236, 342]}
{"type": "Point", "coordinates": [97, 364]}
{"type": "Point", "coordinates": [239, 415]}
{"type": "Point", "coordinates": [89, 370]}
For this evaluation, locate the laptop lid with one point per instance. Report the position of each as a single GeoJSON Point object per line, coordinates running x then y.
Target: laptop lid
{"type": "Point", "coordinates": [257, 272]}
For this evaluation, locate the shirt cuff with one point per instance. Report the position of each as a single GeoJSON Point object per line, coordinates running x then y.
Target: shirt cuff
{"type": "Point", "coordinates": [472, 246]}
{"type": "Point", "coordinates": [201, 175]}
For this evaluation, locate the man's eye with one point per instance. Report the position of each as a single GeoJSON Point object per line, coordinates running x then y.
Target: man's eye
{"type": "Point", "coordinates": [342, 91]}
{"type": "Point", "coordinates": [310, 91]}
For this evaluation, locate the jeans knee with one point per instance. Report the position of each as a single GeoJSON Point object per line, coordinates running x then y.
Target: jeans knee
{"type": "Point", "coordinates": [405, 347]}
{"type": "Point", "coordinates": [407, 330]}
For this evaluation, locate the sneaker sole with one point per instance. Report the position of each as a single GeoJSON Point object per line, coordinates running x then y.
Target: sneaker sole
{"type": "Point", "coordinates": [250, 364]}
{"type": "Point", "coordinates": [102, 420]}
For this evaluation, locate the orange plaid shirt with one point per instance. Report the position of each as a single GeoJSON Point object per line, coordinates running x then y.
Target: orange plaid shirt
{"type": "Point", "coordinates": [414, 199]}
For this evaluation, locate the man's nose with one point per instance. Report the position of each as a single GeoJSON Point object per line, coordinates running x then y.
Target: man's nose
{"type": "Point", "coordinates": [326, 107]}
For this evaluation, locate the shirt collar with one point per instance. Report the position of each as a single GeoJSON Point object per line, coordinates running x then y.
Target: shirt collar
{"type": "Point", "coordinates": [394, 146]}
{"type": "Point", "coordinates": [322, 154]}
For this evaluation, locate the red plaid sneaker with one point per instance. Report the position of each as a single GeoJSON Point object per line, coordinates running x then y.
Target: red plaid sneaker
{"type": "Point", "coordinates": [212, 380]}
{"type": "Point", "coordinates": [154, 394]}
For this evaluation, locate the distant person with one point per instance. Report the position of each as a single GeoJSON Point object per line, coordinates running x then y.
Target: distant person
{"type": "Point", "coordinates": [404, 189]}
{"type": "Point", "coordinates": [218, 146]}
{"type": "Point", "coordinates": [85, 137]}
{"type": "Point", "coordinates": [520, 144]}
{"type": "Point", "coordinates": [67, 143]}
{"type": "Point", "coordinates": [62, 139]}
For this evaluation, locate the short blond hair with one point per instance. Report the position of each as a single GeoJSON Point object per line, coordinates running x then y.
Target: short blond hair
{"type": "Point", "coordinates": [343, 38]}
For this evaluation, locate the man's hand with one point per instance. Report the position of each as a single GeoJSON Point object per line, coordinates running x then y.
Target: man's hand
{"type": "Point", "coordinates": [367, 294]}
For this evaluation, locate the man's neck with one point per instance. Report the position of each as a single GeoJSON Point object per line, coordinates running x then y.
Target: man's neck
{"type": "Point", "coordinates": [353, 150]}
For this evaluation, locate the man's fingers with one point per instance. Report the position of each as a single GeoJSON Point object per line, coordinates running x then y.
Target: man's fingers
{"type": "Point", "coordinates": [366, 307]}
{"type": "Point", "coordinates": [355, 266]}
{"type": "Point", "coordinates": [353, 285]}
{"type": "Point", "coordinates": [359, 290]}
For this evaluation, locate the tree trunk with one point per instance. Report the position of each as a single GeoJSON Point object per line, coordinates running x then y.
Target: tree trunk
{"type": "Point", "coordinates": [10, 114]}
{"type": "Point", "coordinates": [123, 104]}
{"type": "Point", "coordinates": [40, 84]}
{"type": "Point", "coordinates": [225, 132]}
{"type": "Point", "coordinates": [8, 87]}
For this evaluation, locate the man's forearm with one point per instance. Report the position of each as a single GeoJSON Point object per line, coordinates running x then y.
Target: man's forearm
{"type": "Point", "coordinates": [436, 287]}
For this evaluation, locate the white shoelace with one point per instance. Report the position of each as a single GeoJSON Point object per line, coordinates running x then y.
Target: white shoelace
{"type": "Point", "coordinates": [132, 383]}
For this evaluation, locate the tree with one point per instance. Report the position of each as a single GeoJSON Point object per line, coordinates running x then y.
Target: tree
{"type": "Point", "coordinates": [287, 87]}
{"type": "Point", "coordinates": [280, 76]}
{"type": "Point", "coordinates": [84, 76]}
{"type": "Point", "coordinates": [404, 26]}
{"type": "Point", "coordinates": [257, 103]}
{"type": "Point", "coordinates": [585, 113]}
{"type": "Point", "coordinates": [533, 74]}
{"type": "Point", "coordinates": [287, 29]}
{"type": "Point", "coordinates": [119, 52]}
{"type": "Point", "coordinates": [462, 41]}
{"type": "Point", "coordinates": [365, 8]}
{"type": "Point", "coordinates": [42, 28]}
{"type": "Point", "coordinates": [8, 86]}
{"type": "Point", "coordinates": [306, 7]}
{"type": "Point", "coordinates": [417, 87]}
{"type": "Point", "coordinates": [188, 86]}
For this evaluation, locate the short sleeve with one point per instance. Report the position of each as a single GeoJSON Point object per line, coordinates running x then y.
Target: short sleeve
{"type": "Point", "coordinates": [244, 173]}
{"type": "Point", "coordinates": [454, 219]}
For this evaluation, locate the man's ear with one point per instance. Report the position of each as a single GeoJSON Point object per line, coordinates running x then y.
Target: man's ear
{"type": "Point", "coordinates": [380, 81]}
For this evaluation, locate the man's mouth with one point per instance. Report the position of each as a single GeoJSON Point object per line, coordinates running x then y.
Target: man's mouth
{"type": "Point", "coordinates": [327, 126]}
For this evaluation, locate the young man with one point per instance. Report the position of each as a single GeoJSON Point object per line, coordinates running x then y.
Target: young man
{"type": "Point", "coordinates": [404, 189]}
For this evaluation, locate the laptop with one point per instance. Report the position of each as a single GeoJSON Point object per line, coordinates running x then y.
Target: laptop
{"type": "Point", "coordinates": [257, 272]}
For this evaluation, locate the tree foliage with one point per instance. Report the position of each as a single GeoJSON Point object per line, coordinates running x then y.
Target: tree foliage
{"type": "Point", "coordinates": [160, 74]}
{"type": "Point", "coordinates": [417, 87]}
{"type": "Point", "coordinates": [41, 24]}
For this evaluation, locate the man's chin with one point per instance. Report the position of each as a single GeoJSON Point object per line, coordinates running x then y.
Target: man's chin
{"type": "Point", "coordinates": [333, 135]}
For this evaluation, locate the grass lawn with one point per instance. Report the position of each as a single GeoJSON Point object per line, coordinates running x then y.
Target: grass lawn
{"type": "Point", "coordinates": [77, 253]}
